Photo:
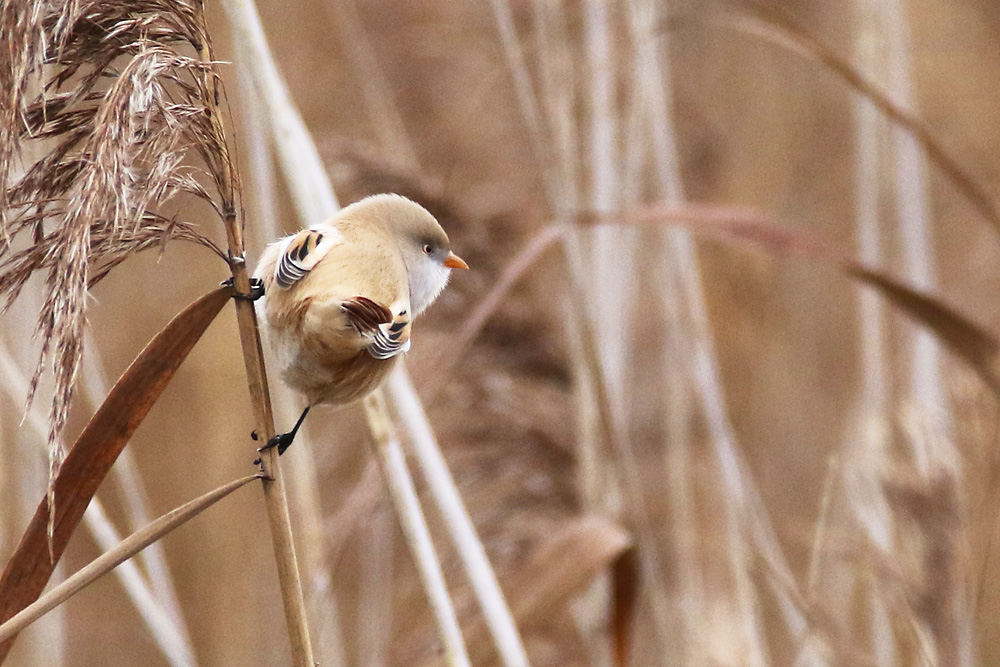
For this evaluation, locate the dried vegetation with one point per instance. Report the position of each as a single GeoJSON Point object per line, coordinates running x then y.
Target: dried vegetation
{"type": "Point", "coordinates": [676, 451]}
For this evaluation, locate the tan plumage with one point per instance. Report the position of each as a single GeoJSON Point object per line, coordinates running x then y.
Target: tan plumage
{"type": "Point", "coordinates": [340, 296]}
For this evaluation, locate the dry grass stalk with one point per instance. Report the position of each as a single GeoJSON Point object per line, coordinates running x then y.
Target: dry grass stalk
{"type": "Point", "coordinates": [109, 560]}
{"type": "Point", "coordinates": [321, 602]}
{"type": "Point", "coordinates": [273, 485]}
{"type": "Point", "coordinates": [463, 533]}
{"type": "Point", "coordinates": [377, 586]}
{"type": "Point", "coordinates": [926, 384]}
{"type": "Point", "coordinates": [404, 496]}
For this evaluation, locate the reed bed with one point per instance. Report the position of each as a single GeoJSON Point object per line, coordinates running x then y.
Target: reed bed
{"type": "Point", "coordinates": [721, 386]}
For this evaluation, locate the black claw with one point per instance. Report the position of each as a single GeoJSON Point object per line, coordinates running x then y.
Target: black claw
{"type": "Point", "coordinates": [254, 436]}
{"type": "Point", "coordinates": [256, 289]}
{"type": "Point", "coordinates": [282, 441]}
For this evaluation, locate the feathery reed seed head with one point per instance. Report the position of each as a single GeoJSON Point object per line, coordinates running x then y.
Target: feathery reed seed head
{"type": "Point", "coordinates": [121, 106]}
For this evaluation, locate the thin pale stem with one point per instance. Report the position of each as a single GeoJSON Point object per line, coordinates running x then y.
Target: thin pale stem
{"type": "Point", "coordinates": [411, 518]}
{"type": "Point", "coordinates": [374, 619]}
{"type": "Point", "coordinates": [926, 386]}
{"type": "Point", "coordinates": [870, 439]}
{"type": "Point", "coordinates": [109, 560]}
{"type": "Point", "coordinates": [460, 527]}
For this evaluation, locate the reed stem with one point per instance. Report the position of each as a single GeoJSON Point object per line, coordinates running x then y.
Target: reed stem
{"type": "Point", "coordinates": [273, 486]}
{"type": "Point", "coordinates": [411, 520]}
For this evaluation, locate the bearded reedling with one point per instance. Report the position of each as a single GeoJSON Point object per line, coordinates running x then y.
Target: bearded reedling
{"type": "Point", "coordinates": [340, 297]}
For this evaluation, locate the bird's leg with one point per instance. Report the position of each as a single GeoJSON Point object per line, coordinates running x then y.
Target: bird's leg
{"type": "Point", "coordinates": [256, 289]}
{"type": "Point", "coordinates": [284, 440]}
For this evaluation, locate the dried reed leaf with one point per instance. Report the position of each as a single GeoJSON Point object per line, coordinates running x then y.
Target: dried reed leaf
{"type": "Point", "coordinates": [109, 560]}
{"type": "Point", "coordinates": [122, 116]}
{"type": "Point", "coordinates": [624, 600]}
{"type": "Point", "coordinates": [978, 346]}
{"type": "Point", "coordinates": [91, 457]}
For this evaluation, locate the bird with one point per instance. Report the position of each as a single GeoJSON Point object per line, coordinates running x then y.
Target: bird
{"type": "Point", "coordinates": [339, 298]}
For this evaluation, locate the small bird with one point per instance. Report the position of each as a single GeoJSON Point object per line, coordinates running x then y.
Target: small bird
{"type": "Point", "coordinates": [340, 297]}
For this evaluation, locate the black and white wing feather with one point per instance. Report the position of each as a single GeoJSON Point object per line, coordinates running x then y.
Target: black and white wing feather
{"type": "Point", "coordinates": [389, 333]}
{"type": "Point", "coordinates": [300, 253]}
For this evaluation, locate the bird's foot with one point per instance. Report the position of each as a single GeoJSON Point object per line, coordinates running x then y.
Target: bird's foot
{"type": "Point", "coordinates": [256, 289]}
{"type": "Point", "coordinates": [282, 441]}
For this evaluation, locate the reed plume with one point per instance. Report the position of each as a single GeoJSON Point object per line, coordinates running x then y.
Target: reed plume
{"type": "Point", "coordinates": [119, 105]}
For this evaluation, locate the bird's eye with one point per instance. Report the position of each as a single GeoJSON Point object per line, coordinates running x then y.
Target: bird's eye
{"type": "Point", "coordinates": [428, 250]}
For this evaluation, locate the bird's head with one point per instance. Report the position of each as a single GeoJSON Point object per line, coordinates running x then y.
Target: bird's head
{"type": "Point", "coordinates": [424, 245]}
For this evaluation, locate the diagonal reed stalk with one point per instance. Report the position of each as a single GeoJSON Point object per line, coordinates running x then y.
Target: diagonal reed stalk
{"type": "Point", "coordinates": [390, 456]}
{"type": "Point", "coordinates": [463, 533]}
{"type": "Point", "coordinates": [109, 560]}
{"type": "Point", "coordinates": [171, 637]}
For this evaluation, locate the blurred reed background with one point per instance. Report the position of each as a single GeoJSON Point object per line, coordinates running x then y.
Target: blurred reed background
{"type": "Point", "coordinates": [806, 477]}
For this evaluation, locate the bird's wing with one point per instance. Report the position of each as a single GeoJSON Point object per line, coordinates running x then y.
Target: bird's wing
{"type": "Point", "coordinates": [389, 333]}
{"type": "Point", "coordinates": [300, 252]}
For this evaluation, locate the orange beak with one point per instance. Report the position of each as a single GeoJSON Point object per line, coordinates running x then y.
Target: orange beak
{"type": "Point", "coordinates": [453, 261]}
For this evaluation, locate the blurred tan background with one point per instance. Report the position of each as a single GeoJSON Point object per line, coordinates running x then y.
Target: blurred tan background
{"type": "Point", "coordinates": [755, 125]}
